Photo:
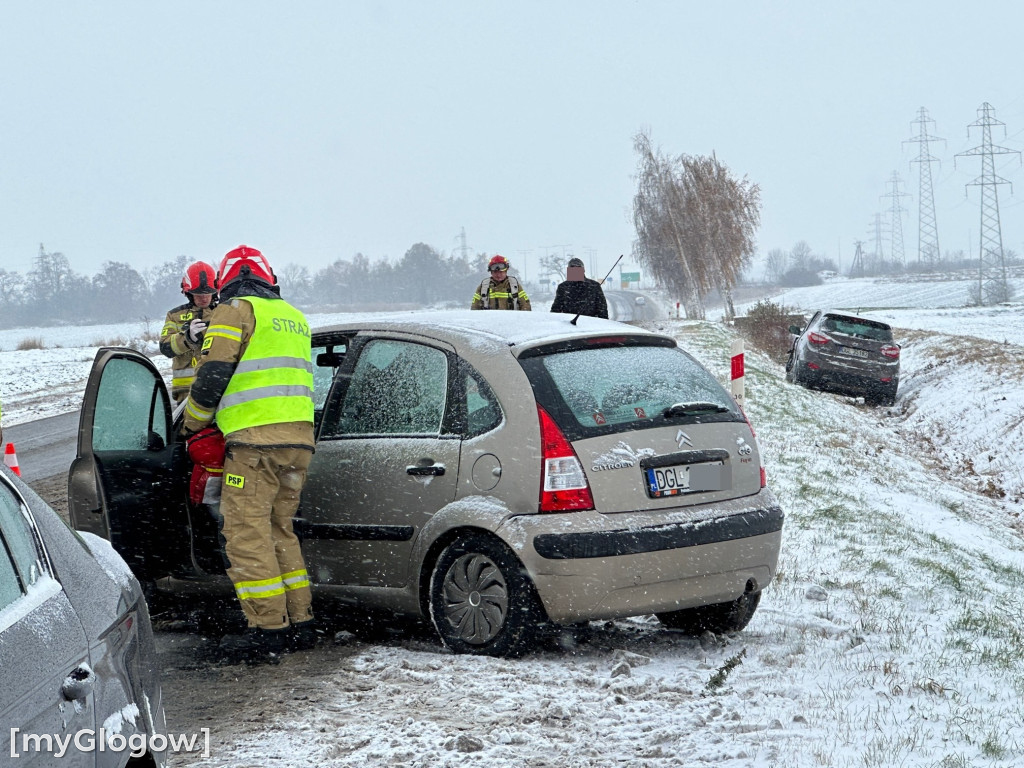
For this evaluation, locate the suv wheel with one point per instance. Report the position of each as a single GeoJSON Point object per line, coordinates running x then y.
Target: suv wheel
{"type": "Point", "coordinates": [481, 599]}
{"type": "Point", "coordinates": [718, 618]}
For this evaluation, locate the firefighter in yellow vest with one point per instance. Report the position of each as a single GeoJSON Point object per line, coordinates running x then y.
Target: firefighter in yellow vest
{"type": "Point", "coordinates": [499, 290]}
{"type": "Point", "coordinates": [182, 334]}
{"type": "Point", "coordinates": [256, 378]}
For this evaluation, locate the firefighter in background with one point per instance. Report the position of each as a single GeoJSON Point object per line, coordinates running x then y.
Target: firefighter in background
{"type": "Point", "coordinates": [256, 376]}
{"type": "Point", "coordinates": [182, 334]}
{"type": "Point", "coordinates": [499, 290]}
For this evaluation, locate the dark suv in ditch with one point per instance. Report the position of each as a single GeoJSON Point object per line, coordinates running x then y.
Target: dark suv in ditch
{"type": "Point", "coordinates": [844, 353]}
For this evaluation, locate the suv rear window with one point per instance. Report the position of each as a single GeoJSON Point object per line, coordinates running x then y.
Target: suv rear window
{"type": "Point", "coordinates": [854, 326]}
{"type": "Point", "coordinates": [616, 388]}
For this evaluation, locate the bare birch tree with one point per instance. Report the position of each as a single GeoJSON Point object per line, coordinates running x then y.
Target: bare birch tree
{"type": "Point", "coordinates": [695, 224]}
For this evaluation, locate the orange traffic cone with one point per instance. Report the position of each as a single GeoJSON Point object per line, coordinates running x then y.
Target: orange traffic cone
{"type": "Point", "coordinates": [11, 459]}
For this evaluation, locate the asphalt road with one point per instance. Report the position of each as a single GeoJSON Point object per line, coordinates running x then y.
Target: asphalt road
{"type": "Point", "coordinates": [45, 447]}
{"type": "Point", "coordinates": [622, 306]}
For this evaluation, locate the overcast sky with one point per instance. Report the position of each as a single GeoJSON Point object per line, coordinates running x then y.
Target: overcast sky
{"type": "Point", "coordinates": [315, 130]}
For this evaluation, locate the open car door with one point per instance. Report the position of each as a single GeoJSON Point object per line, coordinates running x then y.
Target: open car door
{"type": "Point", "coordinates": [128, 482]}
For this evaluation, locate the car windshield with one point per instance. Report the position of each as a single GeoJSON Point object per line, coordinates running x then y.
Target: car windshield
{"type": "Point", "coordinates": [627, 386]}
{"type": "Point", "coordinates": [854, 326]}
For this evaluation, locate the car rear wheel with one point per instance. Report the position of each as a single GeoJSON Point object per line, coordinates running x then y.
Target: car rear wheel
{"type": "Point", "coordinates": [482, 600]}
{"type": "Point", "coordinates": [718, 618]}
{"type": "Point", "coordinates": [887, 397]}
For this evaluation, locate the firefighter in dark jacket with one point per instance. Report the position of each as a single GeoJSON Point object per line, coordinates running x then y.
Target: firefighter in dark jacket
{"type": "Point", "coordinates": [256, 377]}
{"type": "Point", "coordinates": [182, 334]}
{"type": "Point", "coordinates": [499, 290]}
{"type": "Point", "coordinates": [579, 295]}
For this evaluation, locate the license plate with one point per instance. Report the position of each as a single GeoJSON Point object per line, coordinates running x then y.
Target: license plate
{"type": "Point", "coordinates": [685, 478]}
{"type": "Point", "coordinates": [856, 352]}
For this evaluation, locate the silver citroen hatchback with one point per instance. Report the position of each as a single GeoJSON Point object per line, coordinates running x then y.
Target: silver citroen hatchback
{"type": "Point", "coordinates": [494, 472]}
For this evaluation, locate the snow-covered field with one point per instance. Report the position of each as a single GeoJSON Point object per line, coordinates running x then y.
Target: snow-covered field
{"type": "Point", "coordinates": [891, 637]}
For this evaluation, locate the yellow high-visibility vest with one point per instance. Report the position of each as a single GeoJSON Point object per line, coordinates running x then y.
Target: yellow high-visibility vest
{"type": "Point", "coordinates": [273, 382]}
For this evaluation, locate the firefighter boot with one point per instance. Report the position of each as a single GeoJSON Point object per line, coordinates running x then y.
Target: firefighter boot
{"type": "Point", "coordinates": [255, 645]}
{"type": "Point", "coordinates": [303, 636]}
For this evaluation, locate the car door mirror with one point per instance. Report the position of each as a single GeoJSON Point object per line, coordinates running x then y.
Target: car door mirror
{"type": "Point", "coordinates": [330, 359]}
{"type": "Point", "coordinates": [155, 442]}
{"type": "Point", "coordinates": [795, 330]}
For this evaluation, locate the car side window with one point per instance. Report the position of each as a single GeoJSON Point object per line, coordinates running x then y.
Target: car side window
{"type": "Point", "coordinates": [130, 408]}
{"type": "Point", "coordinates": [396, 388]}
{"type": "Point", "coordinates": [20, 565]}
{"type": "Point", "coordinates": [10, 587]}
{"type": "Point", "coordinates": [482, 410]}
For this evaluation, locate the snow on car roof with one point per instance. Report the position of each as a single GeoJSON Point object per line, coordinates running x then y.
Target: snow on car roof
{"type": "Point", "coordinates": [515, 328]}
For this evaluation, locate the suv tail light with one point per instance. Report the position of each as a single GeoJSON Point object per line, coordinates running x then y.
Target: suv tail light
{"type": "Point", "coordinates": [564, 487]}
{"type": "Point", "coordinates": [818, 338]}
{"type": "Point", "coordinates": [891, 351]}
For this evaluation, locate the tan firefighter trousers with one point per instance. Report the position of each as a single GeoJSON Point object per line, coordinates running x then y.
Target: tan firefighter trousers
{"type": "Point", "coordinates": [259, 498]}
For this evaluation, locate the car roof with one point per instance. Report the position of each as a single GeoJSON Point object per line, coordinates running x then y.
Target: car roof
{"type": "Point", "coordinates": [515, 329]}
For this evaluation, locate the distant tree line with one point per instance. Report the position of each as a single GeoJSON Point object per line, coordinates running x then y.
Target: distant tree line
{"type": "Point", "coordinates": [800, 266]}
{"type": "Point", "coordinates": [52, 293]}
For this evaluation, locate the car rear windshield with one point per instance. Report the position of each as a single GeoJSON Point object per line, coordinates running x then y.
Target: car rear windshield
{"type": "Point", "coordinates": [857, 327]}
{"type": "Point", "coordinates": [590, 391]}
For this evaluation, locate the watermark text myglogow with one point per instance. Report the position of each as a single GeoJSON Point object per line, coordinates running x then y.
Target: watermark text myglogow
{"type": "Point", "coordinates": [88, 740]}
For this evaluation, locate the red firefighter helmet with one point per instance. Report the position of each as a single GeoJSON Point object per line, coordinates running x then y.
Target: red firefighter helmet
{"type": "Point", "coordinates": [244, 261]}
{"type": "Point", "coordinates": [199, 278]}
{"type": "Point", "coordinates": [496, 263]}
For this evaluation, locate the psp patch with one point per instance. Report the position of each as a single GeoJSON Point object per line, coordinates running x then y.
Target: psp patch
{"type": "Point", "coordinates": [207, 343]}
{"type": "Point", "coordinates": [234, 481]}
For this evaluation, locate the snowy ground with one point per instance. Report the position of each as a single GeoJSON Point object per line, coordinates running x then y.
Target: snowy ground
{"type": "Point", "coordinates": [891, 637]}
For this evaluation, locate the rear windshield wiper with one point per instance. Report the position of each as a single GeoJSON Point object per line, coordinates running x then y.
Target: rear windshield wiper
{"type": "Point", "coordinates": [692, 409]}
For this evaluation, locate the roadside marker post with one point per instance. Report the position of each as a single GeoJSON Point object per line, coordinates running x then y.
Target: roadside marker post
{"type": "Point", "coordinates": [11, 459]}
{"type": "Point", "coordinates": [736, 387]}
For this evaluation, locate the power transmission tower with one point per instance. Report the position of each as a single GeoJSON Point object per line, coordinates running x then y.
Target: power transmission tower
{"type": "Point", "coordinates": [927, 230]}
{"type": "Point", "coordinates": [878, 229]}
{"type": "Point", "coordinates": [992, 284]}
{"type": "Point", "coordinates": [857, 268]}
{"type": "Point", "coordinates": [896, 222]}
{"type": "Point", "coordinates": [463, 249]}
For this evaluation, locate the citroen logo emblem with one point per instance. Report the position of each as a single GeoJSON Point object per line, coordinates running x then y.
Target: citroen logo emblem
{"type": "Point", "coordinates": [683, 439]}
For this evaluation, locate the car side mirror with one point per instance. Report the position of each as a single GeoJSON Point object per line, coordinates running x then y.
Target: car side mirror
{"type": "Point", "coordinates": [330, 359]}
{"type": "Point", "coordinates": [154, 442]}
{"type": "Point", "coordinates": [795, 330]}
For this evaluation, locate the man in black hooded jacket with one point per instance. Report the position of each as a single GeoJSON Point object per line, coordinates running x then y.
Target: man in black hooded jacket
{"type": "Point", "coordinates": [579, 295]}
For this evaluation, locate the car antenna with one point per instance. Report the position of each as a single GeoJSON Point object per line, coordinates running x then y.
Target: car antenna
{"type": "Point", "coordinates": [573, 321]}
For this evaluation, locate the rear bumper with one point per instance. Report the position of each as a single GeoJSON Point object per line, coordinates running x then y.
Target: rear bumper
{"type": "Point", "coordinates": [571, 546]}
{"type": "Point", "coordinates": [849, 375]}
{"type": "Point", "coordinates": [639, 564]}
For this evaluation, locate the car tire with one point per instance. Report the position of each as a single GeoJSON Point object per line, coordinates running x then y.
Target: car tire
{"type": "Point", "coordinates": [718, 618]}
{"type": "Point", "coordinates": [795, 376]}
{"type": "Point", "coordinates": [482, 601]}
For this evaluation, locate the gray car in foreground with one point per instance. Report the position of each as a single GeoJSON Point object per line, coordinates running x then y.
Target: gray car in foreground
{"type": "Point", "coordinates": [493, 472]}
{"type": "Point", "coordinates": [78, 680]}
{"type": "Point", "coordinates": [844, 353]}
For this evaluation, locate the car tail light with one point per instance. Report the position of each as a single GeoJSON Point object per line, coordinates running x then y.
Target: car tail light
{"type": "Point", "coordinates": [818, 338]}
{"type": "Point", "coordinates": [891, 351]}
{"type": "Point", "coordinates": [563, 487]}
{"type": "Point", "coordinates": [753, 434]}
